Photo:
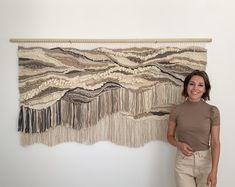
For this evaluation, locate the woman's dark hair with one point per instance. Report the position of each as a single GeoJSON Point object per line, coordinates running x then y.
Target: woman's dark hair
{"type": "Point", "coordinates": [203, 74]}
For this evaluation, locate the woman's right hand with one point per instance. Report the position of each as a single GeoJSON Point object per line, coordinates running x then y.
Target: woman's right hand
{"type": "Point", "coordinates": [185, 149]}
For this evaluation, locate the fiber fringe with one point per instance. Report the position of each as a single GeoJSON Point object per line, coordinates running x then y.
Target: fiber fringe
{"type": "Point", "coordinates": [159, 98]}
{"type": "Point", "coordinates": [117, 128]}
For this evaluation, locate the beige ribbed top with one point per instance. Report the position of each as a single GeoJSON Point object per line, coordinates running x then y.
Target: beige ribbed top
{"type": "Point", "coordinates": [193, 123]}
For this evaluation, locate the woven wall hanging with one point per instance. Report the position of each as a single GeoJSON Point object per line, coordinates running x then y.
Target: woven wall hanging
{"type": "Point", "coordinates": [101, 91]}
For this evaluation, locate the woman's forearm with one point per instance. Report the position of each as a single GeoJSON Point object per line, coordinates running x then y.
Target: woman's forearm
{"type": "Point", "coordinates": [215, 153]}
{"type": "Point", "coordinates": [171, 134]}
{"type": "Point", "coordinates": [173, 141]}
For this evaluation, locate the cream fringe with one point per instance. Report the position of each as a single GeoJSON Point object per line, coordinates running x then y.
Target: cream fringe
{"type": "Point", "coordinates": [117, 128]}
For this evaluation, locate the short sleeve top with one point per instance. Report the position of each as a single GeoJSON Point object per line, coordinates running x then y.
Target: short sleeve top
{"type": "Point", "coordinates": [194, 121]}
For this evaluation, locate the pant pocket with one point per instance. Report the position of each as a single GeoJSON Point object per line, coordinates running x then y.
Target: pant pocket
{"type": "Point", "coordinates": [180, 155]}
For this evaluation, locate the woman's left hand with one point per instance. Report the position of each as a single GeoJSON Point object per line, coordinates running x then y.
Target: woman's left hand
{"type": "Point", "coordinates": [212, 179]}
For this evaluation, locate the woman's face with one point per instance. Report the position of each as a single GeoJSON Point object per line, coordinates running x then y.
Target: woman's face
{"type": "Point", "coordinates": [196, 88]}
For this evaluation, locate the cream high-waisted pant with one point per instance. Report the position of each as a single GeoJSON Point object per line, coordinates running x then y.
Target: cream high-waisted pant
{"type": "Point", "coordinates": [192, 171]}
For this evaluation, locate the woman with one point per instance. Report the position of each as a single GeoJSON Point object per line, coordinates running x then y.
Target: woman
{"type": "Point", "coordinates": [194, 128]}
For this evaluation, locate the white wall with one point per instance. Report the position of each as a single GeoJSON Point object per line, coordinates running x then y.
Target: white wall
{"type": "Point", "coordinates": [105, 164]}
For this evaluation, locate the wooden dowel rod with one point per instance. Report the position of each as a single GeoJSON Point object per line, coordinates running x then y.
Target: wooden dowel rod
{"type": "Point", "coordinates": [74, 40]}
